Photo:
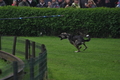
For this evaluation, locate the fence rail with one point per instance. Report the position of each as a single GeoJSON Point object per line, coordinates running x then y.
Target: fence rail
{"type": "Point", "coordinates": [11, 58]}
{"type": "Point", "coordinates": [34, 56]}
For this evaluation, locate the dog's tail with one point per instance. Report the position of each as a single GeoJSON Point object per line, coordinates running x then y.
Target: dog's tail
{"type": "Point", "coordinates": [87, 40]}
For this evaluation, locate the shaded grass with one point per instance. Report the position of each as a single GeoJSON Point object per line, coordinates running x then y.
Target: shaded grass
{"type": "Point", "coordinates": [2, 63]}
{"type": "Point", "coordinates": [100, 61]}
{"type": "Point", "coordinates": [5, 67]}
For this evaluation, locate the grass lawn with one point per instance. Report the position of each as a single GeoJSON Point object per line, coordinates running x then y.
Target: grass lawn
{"type": "Point", "coordinates": [5, 67]}
{"type": "Point", "coordinates": [101, 61]}
{"type": "Point", "coordinates": [2, 63]}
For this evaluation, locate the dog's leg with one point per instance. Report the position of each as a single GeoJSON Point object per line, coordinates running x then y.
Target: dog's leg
{"type": "Point", "coordinates": [77, 43]}
{"type": "Point", "coordinates": [85, 46]}
{"type": "Point", "coordinates": [73, 43]}
{"type": "Point", "coordinates": [77, 48]}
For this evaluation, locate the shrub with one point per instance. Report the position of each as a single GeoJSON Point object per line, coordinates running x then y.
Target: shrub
{"type": "Point", "coordinates": [99, 22]}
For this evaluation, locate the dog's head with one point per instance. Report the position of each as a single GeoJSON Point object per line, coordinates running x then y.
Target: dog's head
{"type": "Point", "coordinates": [64, 35]}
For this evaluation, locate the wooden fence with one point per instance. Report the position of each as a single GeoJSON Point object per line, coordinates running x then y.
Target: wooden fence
{"type": "Point", "coordinates": [35, 62]}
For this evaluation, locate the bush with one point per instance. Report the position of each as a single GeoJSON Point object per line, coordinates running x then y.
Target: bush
{"type": "Point", "coordinates": [99, 22]}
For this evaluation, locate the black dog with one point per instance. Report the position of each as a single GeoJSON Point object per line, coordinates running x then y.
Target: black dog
{"type": "Point", "coordinates": [75, 40]}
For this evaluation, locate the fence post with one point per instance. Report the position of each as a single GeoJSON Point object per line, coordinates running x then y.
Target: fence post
{"type": "Point", "coordinates": [43, 48]}
{"type": "Point", "coordinates": [26, 48]}
{"type": "Point", "coordinates": [14, 45]}
{"type": "Point", "coordinates": [46, 74]}
{"type": "Point", "coordinates": [31, 68]}
{"type": "Point", "coordinates": [33, 49]}
{"type": "Point", "coordinates": [43, 72]}
{"type": "Point", "coordinates": [15, 70]}
{"type": "Point", "coordinates": [40, 67]}
{"type": "Point", "coordinates": [0, 42]}
{"type": "Point", "coordinates": [29, 55]}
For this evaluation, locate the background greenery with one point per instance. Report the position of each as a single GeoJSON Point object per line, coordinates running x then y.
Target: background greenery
{"type": "Point", "coordinates": [98, 22]}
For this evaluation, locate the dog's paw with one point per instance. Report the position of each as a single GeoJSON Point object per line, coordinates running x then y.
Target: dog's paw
{"type": "Point", "coordinates": [84, 49]}
{"type": "Point", "coordinates": [77, 51]}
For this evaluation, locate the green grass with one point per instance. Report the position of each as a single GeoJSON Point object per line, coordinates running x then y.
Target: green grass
{"type": "Point", "coordinates": [2, 63]}
{"type": "Point", "coordinates": [101, 61]}
{"type": "Point", "coordinates": [6, 68]}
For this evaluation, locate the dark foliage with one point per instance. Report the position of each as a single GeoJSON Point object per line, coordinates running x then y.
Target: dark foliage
{"type": "Point", "coordinates": [98, 22]}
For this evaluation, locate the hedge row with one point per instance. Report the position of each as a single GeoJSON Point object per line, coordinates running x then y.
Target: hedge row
{"type": "Point", "coordinates": [98, 22]}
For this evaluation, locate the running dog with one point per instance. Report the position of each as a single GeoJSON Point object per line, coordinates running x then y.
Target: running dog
{"type": "Point", "coordinates": [75, 40]}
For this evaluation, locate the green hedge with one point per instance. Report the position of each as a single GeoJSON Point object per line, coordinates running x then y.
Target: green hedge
{"type": "Point", "coordinates": [99, 22]}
